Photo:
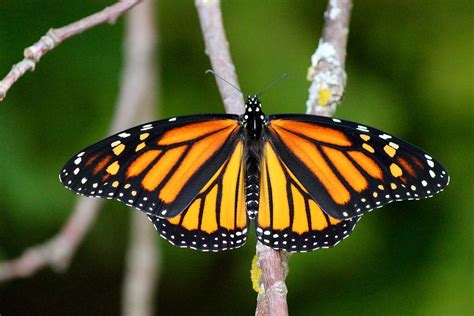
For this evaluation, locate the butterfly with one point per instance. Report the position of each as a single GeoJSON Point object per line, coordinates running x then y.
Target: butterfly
{"type": "Point", "coordinates": [303, 180]}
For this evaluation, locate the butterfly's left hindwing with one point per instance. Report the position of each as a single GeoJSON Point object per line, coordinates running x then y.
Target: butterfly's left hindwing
{"type": "Point", "coordinates": [349, 169]}
{"type": "Point", "coordinates": [216, 220]}
{"type": "Point", "coordinates": [158, 167]}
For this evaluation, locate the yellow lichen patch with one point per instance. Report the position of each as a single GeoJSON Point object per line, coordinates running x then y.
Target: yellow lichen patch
{"type": "Point", "coordinates": [144, 136]}
{"type": "Point", "coordinates": [369, 148]}
{"type": "Point", "coordinates": [395, 170]}
{"type": "Point", "coordinates": [140, 146]}
{"type": "Point", "coordinates": [324, 96]}
{"type": "Point", "coordinates": [113, 168]}
{"type": "Point", "coordinates": [364, 137]}
{"type": "Point", "coordinates": [255, 275]}
{"type": "Point", "coordinates": [393, 186]}
{"type": "Point", "coordinates": [389, 150]}
{"type": "Point", "coordinates": [115, 184]}
{"type": "Point", "coordinates": [309, 74]}
{"type": "Point", "coordinates": [128, 185]}
{"type": "Point", "coordinates": [380, 187]}
{"type": "Point", "coordinates": [118, 149]}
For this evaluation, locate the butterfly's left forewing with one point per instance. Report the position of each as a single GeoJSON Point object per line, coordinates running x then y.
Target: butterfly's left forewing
{"type": "Point", "coordinates": [158, 167]}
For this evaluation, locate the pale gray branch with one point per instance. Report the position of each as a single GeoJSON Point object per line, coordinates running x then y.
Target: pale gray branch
{"type": "Point", "coordinates": [54, 37]}
{"type": "Point", "coordinates": [217, 48]}
{"type": "Point", "coordinates": [274, 266]}
{"type": "Point", "coordinates": [58, 251]}
{"type": "Point", "coordinates": [327, 73]}
{"type": "Point", "coordinates": [273, 301]}
{"type": "Point", "coordinates": [139, 95]}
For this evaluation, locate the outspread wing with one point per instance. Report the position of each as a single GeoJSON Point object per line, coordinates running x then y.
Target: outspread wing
{"type": "Point", "coordinates": [159, 167]}
{"type": "Point", "coordinates": [349, 169]}
{"type": "Point", "coordinates": [216, 220]}
{"type": "Point", "coordinates": [288, 217]}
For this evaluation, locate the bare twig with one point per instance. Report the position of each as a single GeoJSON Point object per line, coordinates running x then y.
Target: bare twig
{"type": "Point", "coordinates": [139, 90]}
{"type": "Point", "coordinates": [58, 251]}
{"type": "Point", "coordinates": [273, 300]}
{"type": "Point", "coordinates": [274, 266]}
{"type": "Point", "coordinates": [217, 48]}
{"type": "Point", "coordinates": [54, 37]}
{"type": "Point", "coordinates": [327, 89]}
{"type": "Point", "coordinates": [327, 63]}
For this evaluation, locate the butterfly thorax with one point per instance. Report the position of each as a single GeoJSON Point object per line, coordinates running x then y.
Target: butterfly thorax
{"type": "Point", "coordinates": [253, 121]}
{"type": "Point", "coordinates": [253, 118]}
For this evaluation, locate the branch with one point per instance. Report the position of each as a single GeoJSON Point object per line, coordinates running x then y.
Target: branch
{"type": "Point", "coordinates": [58, 251]}
{"type": "Point", "coordinates": [217, 48]}
{"type": "Point", "coordinates": [54, 37]}
{"type": "Point", "coordinates": [327, 63]}
{"type": "Point", "coordinates": [273, 300]}
{"type": "Point", "coordinates": [274, 266]}
{"type": "Point", "coordinates": [139, 91]}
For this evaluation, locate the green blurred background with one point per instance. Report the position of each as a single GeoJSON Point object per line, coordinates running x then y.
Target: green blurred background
{"type": "Point", "coordinates": [410, 73]}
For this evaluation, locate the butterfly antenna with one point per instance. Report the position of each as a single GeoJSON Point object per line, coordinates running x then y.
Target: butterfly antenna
{"type": "Point", "coordinates": [226, 81]}
{"type": "Point", "coordinates": [283, 76]}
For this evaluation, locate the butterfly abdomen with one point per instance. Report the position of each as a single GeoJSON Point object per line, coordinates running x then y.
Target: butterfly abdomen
{"type": "Point", "coordinates": [252, 179]}
{"type": "Point", "coordinates": [252, 191]}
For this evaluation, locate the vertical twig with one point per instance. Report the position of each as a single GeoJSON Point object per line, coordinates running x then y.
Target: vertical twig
{"type": "Point", "coordinates": [327, 73]}
{"type": "Point", "coordinates": [328, 83]}
{"type": "Point", "coordinates": [217, 48]}
{"type": "Point", "coordinates": [139, 91]}
{"type": "Point", "coordinates": [272, 262]}
{"type": "Point", "coordinates": [58, 251]}
{"type": "Point", "coordinates": [274, 266]}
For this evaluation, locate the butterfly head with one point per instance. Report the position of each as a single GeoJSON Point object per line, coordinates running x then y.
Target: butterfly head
{"type": "Point", "coordinates": [253, 118]}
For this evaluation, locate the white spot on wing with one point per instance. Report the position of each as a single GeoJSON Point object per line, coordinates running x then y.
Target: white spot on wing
{"type": "Point", "coordinates": [385, 136]}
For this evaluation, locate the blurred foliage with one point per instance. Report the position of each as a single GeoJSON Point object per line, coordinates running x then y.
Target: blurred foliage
{"type": "Point", "coordinates": [410, 72]}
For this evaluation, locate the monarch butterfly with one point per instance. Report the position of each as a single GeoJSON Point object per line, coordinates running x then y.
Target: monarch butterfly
{"type": "Point", "coordinates": [305, 180]}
